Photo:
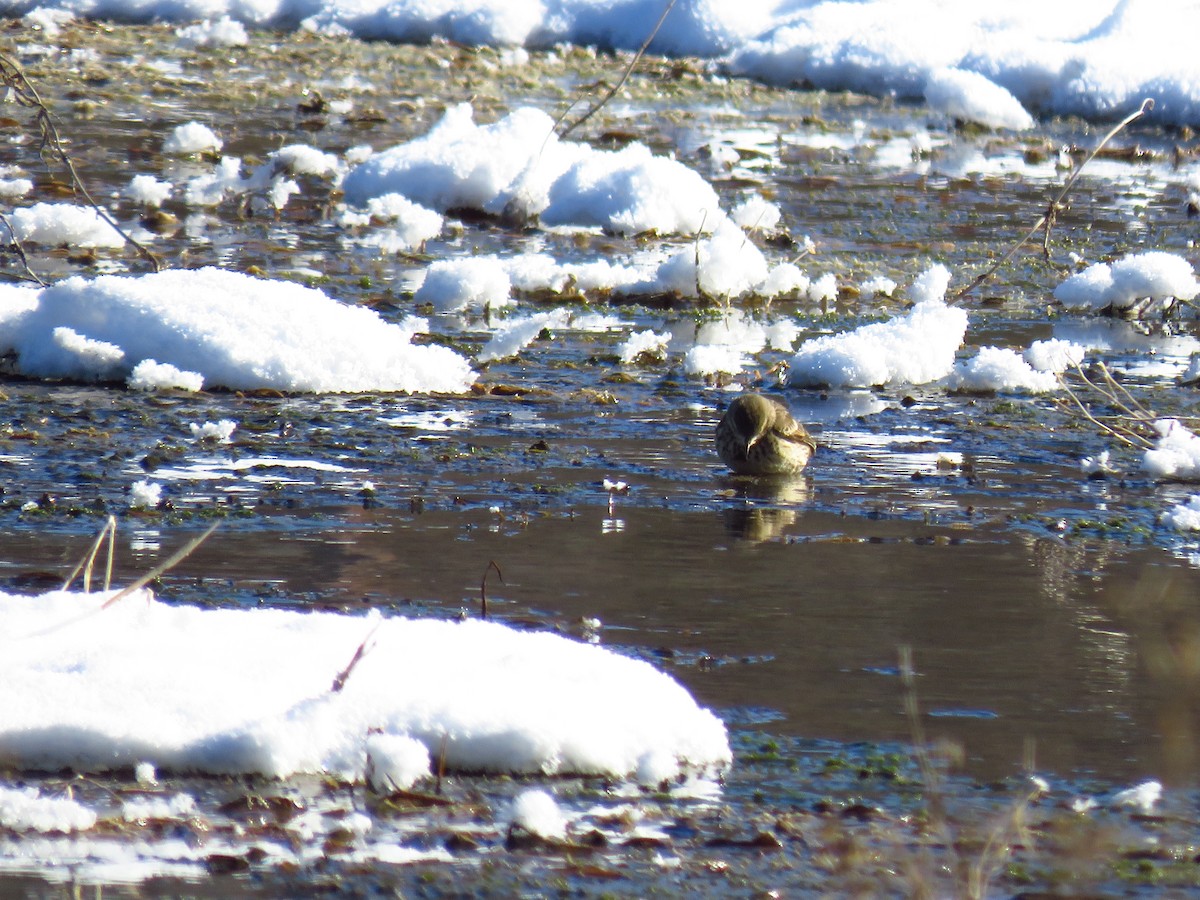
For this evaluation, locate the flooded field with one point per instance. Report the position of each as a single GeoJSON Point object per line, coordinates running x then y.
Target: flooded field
{"type": "Point", "coordinates": [1051, 617]}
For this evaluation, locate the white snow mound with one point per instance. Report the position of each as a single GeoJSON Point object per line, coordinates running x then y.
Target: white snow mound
{"type": "Point", "coordinates": [518, 166]}
{"type": "Point", "coordinates": [1000, 369]}
{"type": "Point", "coordinates": [972, 97]}
{"type": "Point", "coordinates": [1153, 278]}
{"type": "Point", "coordinates": [224, 328]}
{"type": "Point", "coordinates": [915, 348]}
{"type": "Point", "coordinates": [1176, 453]}
{"type": "Point", "coordinates": [240, 691]}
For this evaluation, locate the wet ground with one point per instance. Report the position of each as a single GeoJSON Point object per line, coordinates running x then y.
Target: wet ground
{"type": "Point", "coordinates": [1048, 615]}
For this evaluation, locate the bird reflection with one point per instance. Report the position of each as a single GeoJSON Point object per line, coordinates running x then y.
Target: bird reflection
{"type": "Point", "coordinates": [767, 506]}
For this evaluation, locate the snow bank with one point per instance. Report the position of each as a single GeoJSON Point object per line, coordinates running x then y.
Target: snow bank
{"type": "Point", "coordinates": [218, 328]}
{"type": "Point", "coordinates": [911, 349]}
{"type": "Point", "coordinates": [1095, 58]}
{"type": "Point", "coordinates": [249, 691]}
{"type": "Point", "coordinates": [518, 166]}
{"type": "Point", "coordinates": [1149, 281]}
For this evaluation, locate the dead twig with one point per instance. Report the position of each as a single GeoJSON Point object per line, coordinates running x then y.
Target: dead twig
{"type": "Point", "coordinates": [20, 251]}
{"type": "Point", "coordinates": [22, 91]}
{"type": "Point", "coordinates": [340, 681]}
{"type": "Point", "coordinates": [483, 586]}
{"type": "Point", "coordinates": [599, 104]}
{"type": "Point", "coordinates": [171, 562]}
{"type": "Point", "coordinates": [1132, 422]}
{"type": "Point", "coordinates": [441, 766]}
{"type": "Point", "coordinates": [86, 563]}
{"type": "Point", "coordinates": [1048, 217]}
{"type": "Point", "coordinates": [1125, 436]}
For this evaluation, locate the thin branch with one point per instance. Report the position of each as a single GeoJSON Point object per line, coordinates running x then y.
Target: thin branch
{"type": "Point", "coordinates": [172, 561]}
{"type": "Point", "coordinates": [1047, 218]}
{"type": "Point", "coordinates": [624, 75]}
{"type": "Point", "coordinates": [1129, 438]}
{"type": "Point", "coordinates": [340, 681]}
{"type": "Point", "coordinates": [26, 95]}
{"type": "Point", "coordinates": [20, 251]}
{"type": "Point", "coordinates": [85, 564]}
{"type": "Point", "coordinates": [483, 586]}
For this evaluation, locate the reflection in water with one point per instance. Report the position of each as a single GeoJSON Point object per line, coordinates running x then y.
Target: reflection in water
{"type": "Point", "coordinates": [766, 507]}
{"type": "Point", "coordinates": [1157, 606]}
{"type": "Point", "coordinates": [756, 523]}
{"type": "Point", "coordinates": [1118, 335]}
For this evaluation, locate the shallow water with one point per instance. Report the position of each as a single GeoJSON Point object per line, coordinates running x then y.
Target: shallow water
{"type": "Point", "coordinates": [1043, 610]}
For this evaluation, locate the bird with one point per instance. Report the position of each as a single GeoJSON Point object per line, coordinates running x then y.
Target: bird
{"type": "Point", "coordinates": [758, 436]}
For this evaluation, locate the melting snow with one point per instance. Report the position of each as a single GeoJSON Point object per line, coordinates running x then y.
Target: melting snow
{"type": "Point", "coordinates": [972, 97]}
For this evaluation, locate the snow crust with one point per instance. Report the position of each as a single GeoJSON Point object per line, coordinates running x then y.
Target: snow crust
{"type": "Point", "coordinates": [1184, 516]}
{"type": "Point", "coordinates": [517, 166]}
{"type": "Point", "coordinates": [63, 223]}
{"type": "Point", "coordinates": [192, 137]}
{"type": "Point", "coordinates": [1001, 369]}
{"type": "Point", "coordinates": [972, 97]}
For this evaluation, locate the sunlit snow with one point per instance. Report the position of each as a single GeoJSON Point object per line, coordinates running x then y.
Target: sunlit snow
{"type": "Point", "coordinates": [251, 691]}
{"type": "Point", "coordinates": [914, 348]}
{"type": "Point", "coordinates": [1176, 452]}
{"type": "Point", "coordinates": [1096, 59]}
{"type": "Point", "coordinates": [228, 329]}
{"type": "Point", "coordinates": [1145, 281]}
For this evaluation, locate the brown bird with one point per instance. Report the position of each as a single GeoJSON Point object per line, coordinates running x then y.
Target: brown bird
{"type": "Point", "coordinates": [758, 436]}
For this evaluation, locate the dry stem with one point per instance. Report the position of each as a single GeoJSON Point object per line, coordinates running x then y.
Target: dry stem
{"type": "Point", "coordinates": [171, 562]}
{"type": "Point", "coordinates": [599, 104]}
{"type": "Point", "coordinates": [340, 681]}
{"type": "Point", "coordinates": [1048, 217]}
{"type": "Point", "coordinates": [20, 251]}
{"type": "Point", "coordinates": [1133, 422]}
{"type": "Point", "coordinates": [26, 95]}
{"type": "Point", "coordinates": [89, 558]}
{"type": "Point", "coordinates": [483, 586]}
